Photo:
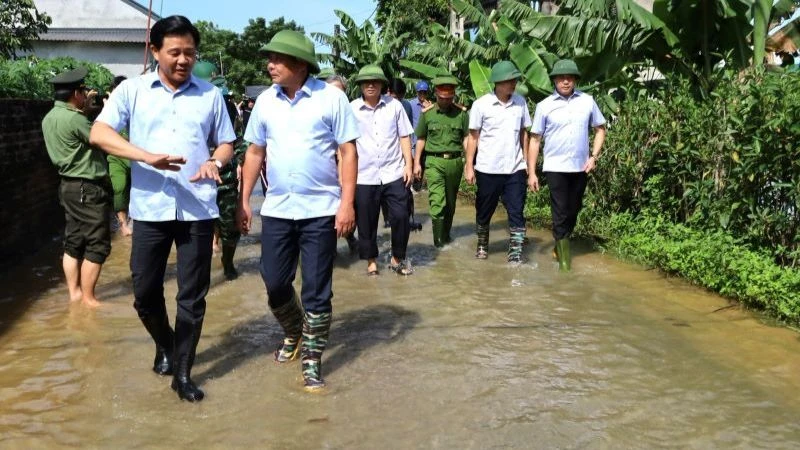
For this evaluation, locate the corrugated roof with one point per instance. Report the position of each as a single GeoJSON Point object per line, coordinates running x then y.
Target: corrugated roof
{"type": "Point", "coordinates": [95, 35]}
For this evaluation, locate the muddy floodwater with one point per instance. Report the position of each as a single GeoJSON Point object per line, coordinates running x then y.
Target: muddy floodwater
{"type": "Point", "coordinates": [463, 354]}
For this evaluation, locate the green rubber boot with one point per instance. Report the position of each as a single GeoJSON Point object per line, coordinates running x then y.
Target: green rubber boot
{"type": "Point", "coordinates": [315, 338]}
{"type": "Point", "coordinates": [437, 227]}
{"type": "Point", "coordinates": [227, 262]}
{"type": "Point", "coordinates": [562, 249]}
{"type": "Point", "coordinates": [290, 318]}
{"type": "Point", "coordinates": [482, 249]}
{"type": "Point", "coordinates": [515, 242]}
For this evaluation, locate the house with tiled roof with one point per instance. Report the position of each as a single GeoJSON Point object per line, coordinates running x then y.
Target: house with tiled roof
{"type": "Point", "coordinates": [109, 32]}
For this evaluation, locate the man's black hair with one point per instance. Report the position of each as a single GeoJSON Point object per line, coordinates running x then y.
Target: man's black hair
{"type": "Point", "coordinates": [117, 80]}
{"type": "Point", "coordinates": [63, 95]}
{"type": "Point", "coordinates": [173, 26]}
{"type": "Point", "coordinates": [398, 87]}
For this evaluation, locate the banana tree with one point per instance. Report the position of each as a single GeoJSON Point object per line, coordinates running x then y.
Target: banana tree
{"type": "Point", "coordinates": [358, 46]}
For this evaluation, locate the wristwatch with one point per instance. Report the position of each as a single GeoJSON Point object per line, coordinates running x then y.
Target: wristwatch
{"type": "Point", "coordinates": [216, 162]}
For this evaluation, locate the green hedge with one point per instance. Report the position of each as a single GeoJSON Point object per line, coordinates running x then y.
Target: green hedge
{"type": "Point", "coordinates": [29, 77]}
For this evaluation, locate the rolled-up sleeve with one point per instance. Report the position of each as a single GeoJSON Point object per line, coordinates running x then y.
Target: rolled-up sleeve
{"type": "Point", "coordinates": [345, 125]}
{"type": "Point", "coordinates": [256, 131]}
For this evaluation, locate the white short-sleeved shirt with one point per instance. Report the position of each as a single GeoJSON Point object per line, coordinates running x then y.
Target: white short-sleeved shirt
{"type": "Point", "coordinates": [380, 158]}
{"type": "Point", "coordinates": [301, 136]}
{"type": "Point", "coordinates": [499, 146]}
{"type": "Point", "coordinates": [564, 124]}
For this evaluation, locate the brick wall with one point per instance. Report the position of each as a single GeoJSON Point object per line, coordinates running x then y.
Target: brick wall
{"type": "Point", "coordinates": [30, 215]}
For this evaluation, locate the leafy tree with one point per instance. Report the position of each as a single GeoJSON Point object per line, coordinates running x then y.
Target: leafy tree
{"type": "Point", "coordinates": [237, 55]}
{"type": "Point", "coordinates": [20, 23]}
{"type": "Point", "coordinates": [412, 16]}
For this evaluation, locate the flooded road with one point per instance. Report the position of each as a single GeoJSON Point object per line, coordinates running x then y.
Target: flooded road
{"type": "Point", "coordinates": [462, 354]}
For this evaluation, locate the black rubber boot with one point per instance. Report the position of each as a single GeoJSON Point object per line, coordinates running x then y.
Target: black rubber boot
{"type": "Point", "coordinates": [437, 226]}
{"type": "Point", "coordinates": [157, 324]}
{"type": "Point", "coordinates": [187, 335]}
{"type": "Point", "coordinates": [227, 262]}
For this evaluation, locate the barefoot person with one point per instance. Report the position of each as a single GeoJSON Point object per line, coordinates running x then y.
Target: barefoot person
{"type": "Point", "coordinates": [173, 196]}
{"type": "Point", "coordinates": [297, 124]}
{"type": "Point", "coordinates": [85, 189]}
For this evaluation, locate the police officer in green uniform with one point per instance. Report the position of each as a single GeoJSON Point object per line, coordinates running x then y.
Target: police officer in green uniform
{"type": "Point", "coordinates": [228, 189]}
{"type": "Point", "coordinates": [442, 135]}
{"type": "Point", "coordinates": [85, 189]}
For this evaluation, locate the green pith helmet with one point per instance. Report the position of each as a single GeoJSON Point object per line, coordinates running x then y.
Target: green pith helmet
{"type": "Point", "coordinates": [445, 80]}
{"type": "Point", "coordinates": [294, 43]}
{"type": "Point", "coordinates": [565, 67]}
{"type": "Point", "coordinates": [371, 72]}
{"type": "Point", "coordinates": [504, 71]}
{"type": "Point", "coordinates": [204, 70]}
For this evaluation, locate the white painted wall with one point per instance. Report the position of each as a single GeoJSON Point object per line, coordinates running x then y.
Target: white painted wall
{"type": "Point", "coordinates": [120, 58]}
{"type": "Point", "coordinates": [92, 14]}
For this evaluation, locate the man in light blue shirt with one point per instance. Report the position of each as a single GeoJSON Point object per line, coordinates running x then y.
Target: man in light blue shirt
{"type": "Point", "coordinates": [173, 196]}
{"type": "Point", "coordinates": [563, 120]}
{"type": "Point", "coordinates": [498, 127]}
{"type": "Point", "coordinates": [297, 124]}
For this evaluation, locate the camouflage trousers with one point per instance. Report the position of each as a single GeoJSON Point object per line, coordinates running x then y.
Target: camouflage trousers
{"type": "Point", "coordinates": [227, 197]}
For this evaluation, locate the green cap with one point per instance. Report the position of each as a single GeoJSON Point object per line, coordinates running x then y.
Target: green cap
{"type": "Point", "coordinates": [370, 72]}
{"type": "Point", "coordinates": [69, 78]}
{"type": "Point", "coordinates": [565, 67]}
{"type": "Point", "coordinates": [445, 80]}
{"type": "Point", "coordinates": [294, 43]}
{"type": "Point", "coordinates": [204, 70]}
{"type": "Point", "coordinates": [504, 71]}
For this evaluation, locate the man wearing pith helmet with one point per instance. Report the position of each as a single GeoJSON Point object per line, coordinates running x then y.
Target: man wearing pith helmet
{"type": "Point", "coordinates": [563, 119]}
{"type": "Point", "coordinates": [442, 136]}
{"type": "Point", "coordinates": [385, 169]}
{"type": "Point", "coordinates": [498, 126]}
{"type": "Point", "coordinates": [297, 124]}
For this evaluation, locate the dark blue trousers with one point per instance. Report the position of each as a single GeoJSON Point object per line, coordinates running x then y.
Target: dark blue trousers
{"type": "Point", "coordinates": [152, 242]}
{"type": "Point", "coordinates": [369, 199]}
{"type": "Point", "coordinates": [491, 187]}
{"type": "Point", "coordinates": [313, 243]}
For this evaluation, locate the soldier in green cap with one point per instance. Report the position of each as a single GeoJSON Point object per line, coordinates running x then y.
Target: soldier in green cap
{"type": "Point", "coordinates": [225, 228]}
{"type": "Point", "coordinates": [297, 124]}
{"type": "Point", "coordinates": [442, 134]}
{"type": "Point", "coordinates": [563, 120]}
{"type": "Point", "coordinates": [498, 124]}
{"type": "Point", "coordinates": [85, 190]}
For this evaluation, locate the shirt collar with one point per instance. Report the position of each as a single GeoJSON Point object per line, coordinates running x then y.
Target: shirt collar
{"type": "Point", "coordinates": [66, 105]}
{"type": "Point", "coordinates": [575, 93]}
{"type": "Point", "coordinates": [307, 88]}
{"type": "Point", "coordinates": [152, 78]}
{"type": "Point", "coordinates": [496, 100]}
{"type": "Point", "coordinates": [382, 100]}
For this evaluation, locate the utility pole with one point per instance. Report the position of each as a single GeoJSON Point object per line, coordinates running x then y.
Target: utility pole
{"type": "Point", "coordinates": [336, 32]}
{"type": "Point", "coordinates": [456, 23]}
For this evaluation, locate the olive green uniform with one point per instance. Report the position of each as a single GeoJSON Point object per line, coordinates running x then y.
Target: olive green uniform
{"type": "Point", "coordinates": [85, 188]}
{"type": "Point", "coordinates": [227, 199]}
{"type": "Point", "coordinates": [444, 132]}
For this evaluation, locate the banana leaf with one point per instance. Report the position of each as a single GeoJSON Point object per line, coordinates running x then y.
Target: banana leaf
{"type": "Point", "coordinates": [479, 76]}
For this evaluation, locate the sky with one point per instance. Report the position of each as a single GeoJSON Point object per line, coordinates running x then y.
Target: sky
{"type": "Point", "coordinates": [312, 15]}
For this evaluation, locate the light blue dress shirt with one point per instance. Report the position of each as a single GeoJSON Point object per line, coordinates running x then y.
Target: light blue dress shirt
{"type": "Point", "coordinates": [301, 136]}
{"type": "Point", "coordinates": [380, 157]}
{"type": "Point", "coordinates": [564, 123]}
{"type": "Point", "coordinates": [184, 122]}
{"type": "Point", "coordinates": [499, 145]}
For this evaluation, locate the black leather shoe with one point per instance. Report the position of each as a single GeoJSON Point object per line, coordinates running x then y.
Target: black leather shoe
{"type": "Point", "coordinates": [162, 364]}
{"type": "Point", "coordinates": [187, 390]}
